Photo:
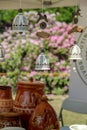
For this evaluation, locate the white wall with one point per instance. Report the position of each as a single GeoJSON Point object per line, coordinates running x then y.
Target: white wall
{"type": "Point", "coordinates": [78, 78]}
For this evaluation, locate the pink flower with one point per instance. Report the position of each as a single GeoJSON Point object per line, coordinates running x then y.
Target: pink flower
{"type": "Point", "coordinates": [58, 24]}
{"type": "Point", "coordinates": [6, 34]}
{"type": "Point", "coordinates": [25, 68]}
{"type": "Point", "coordinates": [53, 38]}
{"type": "Point", "coordinates": [23, 41]}
{"type": "Point", "coordinates": [7, 56]}
{"type": "Point", "coordinates": [34, 41]}
{"type": "Point", "coordinates": [57, 63]}
{"type": "Point", "coordinates": [64, 25]}
{"type": "Point", "coordinates": [60, 39]}
{"type": "Point", "coordinates": [7, 50]}
{"type": "Point", "coordinates": [66, 88]}
{"type": "Point", "coordinates": [33, 73]}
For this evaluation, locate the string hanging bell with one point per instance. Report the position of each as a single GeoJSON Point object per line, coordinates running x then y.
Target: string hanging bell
{"type": "Point", "coordinates": [75, 53]}
{"type": "Point", "coordinates": [42, 62]}
{"type": "Point", "coordinates": [20, 23]}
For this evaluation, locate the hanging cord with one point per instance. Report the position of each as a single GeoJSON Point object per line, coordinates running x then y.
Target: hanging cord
{"type": "Point", "coordinates": [20, 4]}
{"type": "Point", "coordinates": [79, 3]}
{"type": "Point", "coordinates": [76, 13]}
{"type": "Point", "coordinates": [76, 3]}
{"type": "Point", "coordinates": [20, 9]}
{"type": "Point", "coordinates": [42, 6]}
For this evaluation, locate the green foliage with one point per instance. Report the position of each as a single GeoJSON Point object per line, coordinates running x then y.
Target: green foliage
{"type": "Point", "coordinates": [7, 15]}
{"type": "Point", "coordinates": [62, 14]}
{"type": "Point", "coordinates": [58, 91]}
{"type": "Point", "coordinates": [6, 18]}
{"type": "Point", "coordinates": [65, 14]}
{"type": "Point", "coordinates": [21, 51]}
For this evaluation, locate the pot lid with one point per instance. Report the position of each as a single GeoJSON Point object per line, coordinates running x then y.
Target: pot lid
{"type": "Point", "coordinates": [31, 82]}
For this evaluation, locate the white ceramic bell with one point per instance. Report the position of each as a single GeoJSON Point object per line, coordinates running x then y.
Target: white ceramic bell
{"type": "Point", "coordinates": [75, 53]}
{"type": "Point", "coordinates": [42, 62]}
{"type": "Point", "coordinates": [20, 23]}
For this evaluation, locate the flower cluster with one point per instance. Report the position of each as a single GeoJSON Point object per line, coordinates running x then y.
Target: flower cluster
{"type": "Point", "coordinates": [22, 50]}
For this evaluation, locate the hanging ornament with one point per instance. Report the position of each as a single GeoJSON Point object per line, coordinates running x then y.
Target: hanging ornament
{"type": "Point", "coordinates": [75, 53]}
{"type": "Point", "coordinates": [1, 53]}
{"type": "Point", "coordinates": [42, 34]}
{"type": "Point", "coordinates": [42, 62]}
{"type": "Point", "coordinates": [42, 20]}
{"type": "Point", "coordinates": [20, 22]}
{"type": "Point", "coordinates": [76, 13]}
{"type": "Point", "coordinates": [76, 28]}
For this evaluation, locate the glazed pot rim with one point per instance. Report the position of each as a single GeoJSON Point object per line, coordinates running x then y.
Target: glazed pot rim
{"type": "Point", "coordinates": [28, 83]}
{"type": "Point", "coordinates": [5, 87]}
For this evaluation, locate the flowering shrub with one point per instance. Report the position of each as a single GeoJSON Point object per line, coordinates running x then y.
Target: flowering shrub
{"type": "Point", "coordinates": [22, 50]}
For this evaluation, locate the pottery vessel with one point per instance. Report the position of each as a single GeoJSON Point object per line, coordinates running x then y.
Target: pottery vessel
{"type": "Point", "coordinates": [78, 127]}
{"type": "Point", "coordinates": [6, 101]}
{"type": "Point", "coordinates": [27, 97]}
{"type": "Point", "coordinates": [8, 119]}
{"type": "Point", "coordinates": [44, 117]}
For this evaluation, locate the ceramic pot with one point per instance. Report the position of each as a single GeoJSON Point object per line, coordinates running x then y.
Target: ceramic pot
{"type": "Point", "coordinates": [6, 101]}
{"type": "Point", "coordinates": [10, 119]}
{"type": "Point", "coordinates": [28, 95]}
{"type": "Point", "coordinates": [44, 117]}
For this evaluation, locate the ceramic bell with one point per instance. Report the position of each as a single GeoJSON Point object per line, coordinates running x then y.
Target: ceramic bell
{"type": "Point", "coordinates": [20, 23]}
{"type": "Point", "coordinates": [75, 53]}
{"type": "Point", "coordinates": [42, 62]}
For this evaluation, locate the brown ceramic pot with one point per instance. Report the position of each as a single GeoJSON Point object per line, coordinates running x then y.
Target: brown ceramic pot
{"type": "Point", "coordinates": [44, 117]}
{"type": "Point", "coordinates": [6, 101]}
{"type": "Point", "coordinates": [10, 119]}
{"type": "Point", "coordinates": [27, 98]}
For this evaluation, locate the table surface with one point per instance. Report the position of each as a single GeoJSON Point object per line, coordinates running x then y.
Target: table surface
{"type": "Point", "coordinates": [65, 128]}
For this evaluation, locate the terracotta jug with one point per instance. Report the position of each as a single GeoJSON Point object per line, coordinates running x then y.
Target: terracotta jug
{"type": "Point", "coordinates": [8, 119]}
{"type": "Point", "coordinates": [44, 117]}
{"type": "Point", "coordinates": [27, 98]}
{"type": "Point", "coordinates": [6, 101]}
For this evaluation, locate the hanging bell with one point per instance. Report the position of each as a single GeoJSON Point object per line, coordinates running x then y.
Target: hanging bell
{"type": "Point", "coordinates": [20, 23]}
{"type": "Point", "coordinates": [1, 53]}
{"type": "Point", "coordinates": [75, 53]}
{"type": "Point", "coordinates": [42, 62]}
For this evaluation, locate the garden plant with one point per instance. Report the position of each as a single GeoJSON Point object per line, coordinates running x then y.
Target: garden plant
{"type": "Point", "coordinates": [22, 50]}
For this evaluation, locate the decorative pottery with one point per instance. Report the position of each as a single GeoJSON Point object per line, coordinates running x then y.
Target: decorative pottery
{"type": "Point", "coordinates": [28, 95]}
{"type": "Point", "coordinates": [12, 128]}
{"type": "Point", "coordinates": [78, 127]}
{"type": "Point", "coordinates": [6, 101]}
{"type": "Point", "coordinates": [10, 119]}
{"type": "Point", "coordinates": [44, 117]}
